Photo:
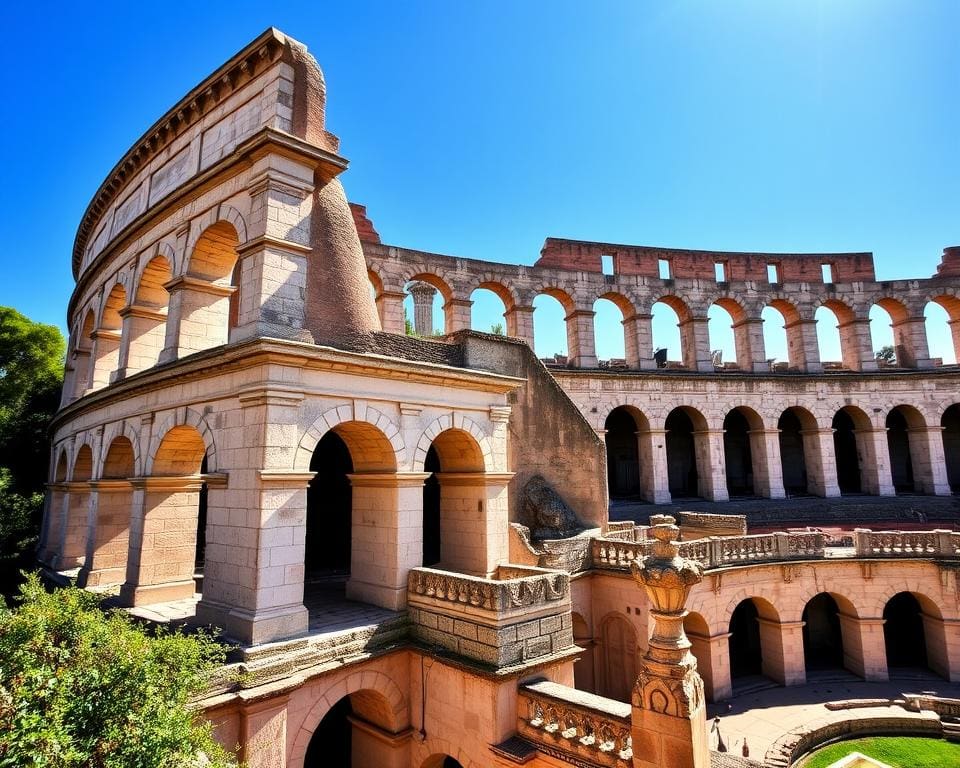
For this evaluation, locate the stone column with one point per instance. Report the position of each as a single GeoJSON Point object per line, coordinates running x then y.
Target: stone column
{"type": "Point", "coordinates": [781, 644]}
{"type": "Point", "coordinates": [473, 521]}
{"type": "Point", "coordinates": [955, 335]}
{"type": "Point", "coordinates": [197, 318]}
{"type": "Point", "coordinates": [751, 355]}
{"type": "Point", "coordinates": [874, 461]}
{"type": "Point", "coordinates": [106, 356]}
{"type": "Point", "coordinates": [271, 285]}
{"type": "Point", "coordinates": [263, 732]}
{"type": "Point", "coordinates": [856, 345]}
{"type": "Point", "coordinates": [144, 331]}
{"type": "Point", "coordinates": [163, 540]}
{"type": "Point", "coordinates": [803, 348]}
{"type": "Point", "coordinates": [695, 339]}
{"type": "Point", "coordinates": [910, 343]}
{"type": "Point", "coordinates": [938, 656]}
{"type": "Point", "coordinates": [767, 463]}
{"type": "Point", "coordinates": [654, 482]}
{"type": "Point", "coordinates": [390, 309]}
{"type": "Point", "coordinates": [456, 315]}
{"type": "Point", "coordinates": [638, 342]}
{"type": "Point", "coordinates": [929, 461]}
{"type": "Point", "coordinates": [386, 537]}
{"type": "Point", "coordinates": [711, 464]}
{"type": "Point", "coordinates": [520, 323]}
{"type": "Point", "coordinates": [820, 462]}
{"type": "Point", "coordinates": [713, 663]}
{"type": "Point", "coordinates": [373, 745]}
{"type": "Point", "coordinates": [669, 710]}
{"type": "Point", "coordinates": [58, 501]}
{"type": "Point", "coordinates": [108, 533]}
{"type": "Point", "coordinates": [580, 339]}
{"type": "Point", "coordinates": [864, 649]}
{"type": "Point", "coordinates": [423, 294]}
{"type": "Point", "coordinates": [73, 534]}
{"type": "Point", "coordinates": [950, 660]}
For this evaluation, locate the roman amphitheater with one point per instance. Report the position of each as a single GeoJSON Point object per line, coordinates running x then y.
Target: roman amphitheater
{"type": "Point", "coordinates": [444, 551]}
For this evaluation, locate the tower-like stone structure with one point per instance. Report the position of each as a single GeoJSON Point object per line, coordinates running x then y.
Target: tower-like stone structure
{"type": "Point", "coordinates": [669, 712]}
{"type": "Point", "coordinates": [423, 294]}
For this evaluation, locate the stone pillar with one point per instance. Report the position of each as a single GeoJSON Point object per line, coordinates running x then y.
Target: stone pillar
{"type": "Point", "coordinates": [386, 537]}
{"type": "Point", "coordinates": [711, 464]}
{"type": "Point", "coordinates": [864, 649]}
{"type": "Point", "coordinates": [263, 732]}
{"type": "Point", "coordinates": [781, 644]}
{"type": "Point", "coordinates": [949, 661]}
{"type": "Point", "coordinates": [938, 659]}
{"type": "Point", "coordinates": [423, 294]}
{"type": "Point", "coordinates": [856, 345]}
{"type": "Point", "coordinates": [695, 339]}
{"type": "Point", "coordinates": [106, 357]}
{"type": "Point", "coordinates": [767, 463]}
{"type": "Point", "coordinates": [874, 461]}
{"type": "Point", "coordinates": [163, 540]}
{"type": "Point", "coordinates": [473, 521]}
{"type": "Point", "coordinates": [638, 342]}
{"type": "Point", "coordinates": [73, 534]}
{"type": "Point", "coordinates": [108, 533]}
{"type": "Point", "coordinates": [654, 482]}
{"type": "Point", "coordinates": [751, 354]}
{"type": "Point", "coordinates": [520, 323]}
{"type": "Point", "coordinates": [668, 706]}
{"type": "Point", "coordinates": [373, 745]}
{"type": "Point", "coordinates": [955, 336]}
{"type": "Point", "coordinates": [390, 310]}
{"type": "Point", "coordinates": [197, 318]}
{"type": "Point", "coordinates": [929, 461]}
{"type": "Point", "coordinates": [820, 462]}
{"type": "Point", "coordinates": [580, 339]}
{"type": "Point", "coordinates": [456, 315]}
{"type": "Point", "coordinates": [58, 500]}
{"type": "Point", "coordinates": [713, 663]}
{"type": "Point", "coordinates": [910, 343]}
{"type": "Point", "coordinates": [144, 332]}
{"type": "Point", "coordinates": [803, 348]}
{"type": "Point", "coordinates": [271, 287]}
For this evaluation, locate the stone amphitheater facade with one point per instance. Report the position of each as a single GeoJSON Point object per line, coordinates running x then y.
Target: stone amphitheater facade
{"type": "Point", "coordinates": [246, 429]}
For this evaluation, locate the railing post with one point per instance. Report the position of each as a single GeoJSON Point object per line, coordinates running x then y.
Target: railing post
{"type": "Point", "coordinates": [783, 544]}
{"type": "Point", "coordinates": [944, 542]}
{"type": "Point", "coordinates": [861, 541]}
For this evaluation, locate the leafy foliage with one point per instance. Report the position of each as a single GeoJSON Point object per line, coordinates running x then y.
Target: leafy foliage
{"type": "Point", "coordinates": [84, 687]}
{"type": "Point", "coordinates": [497, 329]}
{"type": "Point", "coordinates": [887, 353]}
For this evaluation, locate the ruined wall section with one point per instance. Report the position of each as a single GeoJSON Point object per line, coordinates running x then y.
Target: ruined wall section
{"type": "Point", "coordinates": [549, 435]}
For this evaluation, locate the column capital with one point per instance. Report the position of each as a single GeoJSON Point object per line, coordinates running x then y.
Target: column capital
{"type": "Point", "coordinates": [388, 479]}
{"type": "Point", "coordinates": [186, 282]}
{"type": "Point", "coordinates": [580, 313]}
{"type": "Point", "coordinates": [282, 477]}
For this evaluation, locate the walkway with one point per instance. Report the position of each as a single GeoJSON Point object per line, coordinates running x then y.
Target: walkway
{"type": "Point", "coordinates": [764, 716]}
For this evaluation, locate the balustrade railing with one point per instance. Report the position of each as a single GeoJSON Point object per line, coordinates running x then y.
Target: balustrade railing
{"type": "Point", "coordinates": [559, 718]}
{"type": "Point", "coordinates": [936, 543]}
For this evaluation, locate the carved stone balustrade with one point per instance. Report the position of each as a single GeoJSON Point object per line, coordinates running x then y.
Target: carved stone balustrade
{"type": "Point", "coordinates": [519, 615]}
{"type": "Point", "coordinates": [565, 722]}
{"type": "Point", "coordinates": [936, 543]}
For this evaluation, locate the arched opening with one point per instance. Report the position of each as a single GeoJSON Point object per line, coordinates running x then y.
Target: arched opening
{"type": "Point", "coordinates": [738, 453]}
{"type": "Point", "coordinates": [903, 632]}
{"type": "Point", "coordinates": [682, 470]}
{"type": "Point", "coordinates": [213, 263]}
{"type": "Point", "coordinates": [828, 336]}
{"type": "Point", "coordinates": [950, 421]}
{"type": "Point", "coordinates": [792, 423]}
{"type": "Point", "coordinates": [329, 515]}
{"type": "Point", "coordinates": [549, 329]}
{"type": "Point", "coordinates": [822, 636]}
{"type": "Point", "coordinates": [107, 337]}
{"type": "Point", "coordinates": [623, 456]}
{"type": "Point", "coordinates": [107, 553]}
{"type": "Point", "coordinates": [846, 452]}
{"type": "Point", "coordinates": [82, 364]}
{"type": "Point", "coordinates": [489, 309]}
{"type": "Point", "coordinates": [54, 520]}
{"type": "Point", "coordinates": [775, 343]}
{"type": "Point", "coordinates": [698, 633]}
{"type": "Point", "coordinates": [583, 678]}
{"type": "Point", "coordinates": [147, 318]}
{"type": "Point", "coordinates": [608, 333]}
{"type": "Point", "coordinates": [901, 455]}
{"type": "Point", "coordinates": [75, 533]}
{"type": "Point", "coordinates": [723, 342]}
{"type": "Point", "coordinates": [441, 761]}
{"type": "Point", "coordinates": [671, 347]}
{"type": "Point", "coordinates": [750, 622]}
{"type": "Point", "coordinates": [942, 323]}
{"type": "Point", "coordinates": [455, 461]}
{"type": "Point", "coordinates": [882, 335]}
{"type": "Point", "coordinates": [338, 743]}
{"type": "Point", "coordinates": [427, 307]}
{"type": "Point", "coordinates": [618, 642]}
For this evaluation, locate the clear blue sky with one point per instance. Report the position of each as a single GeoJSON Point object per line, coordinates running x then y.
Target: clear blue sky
{"type": "Point", "coordinates": [478, 129]}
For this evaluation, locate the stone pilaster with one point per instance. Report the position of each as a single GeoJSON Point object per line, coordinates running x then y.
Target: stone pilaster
{"type": "Point", "coordinates": [711, 464]}
{"type": "Point", "coordinates": [857, 345]}
{"type": "Point", "coordinates": [695, 340]}
{"type": "Point", "coordinates": [864, 650]}
{"type": "Point", "coordinates": [390, 309]}
{"type": "Point", "coordinates": [782, 644]}
{"type": "Point", "coordinates": [875, 461]}
{"type": "Point", "coordinates": [751, 355]}
{"type": "Point", "coordinates": [803, 347]}
{"type": "Point", "coordinates": [910, 343]}
{"type": "Point", "coordinates": [713, 663]}
{"type": "Point", "coordinates": [654, 481]}
{"type": "Point", "coordinates": [423, 294]}
{"type": "Point", "coordinates": [456, 315]}
{"type": "Point", "coordinates": [929, 462]}
{"type": "Point", "coordinates": [580, 339]}
{"type": "Point", "coordinates": [520, 323]}
{"type": "Point", "coordinates": [767, 463]}
{"type": "Point", "coordinates": [144, 331]}
{"type": "Point", "coordinates": [108, 534]}
{"type": "Point", "coordinates": [820, 461]}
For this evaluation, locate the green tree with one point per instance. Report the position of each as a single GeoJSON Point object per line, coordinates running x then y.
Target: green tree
{"type": "Point", "coordinates": [82, 687]}
{"type": "Point", "coordinates": [497, 329]}
{"type": "Point", "coordinates": [887, 354]}
{"type": "Point", "coordinates": [31, 376]}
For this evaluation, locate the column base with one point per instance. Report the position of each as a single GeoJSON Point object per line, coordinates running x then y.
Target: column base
{"type": "Point", "coordinates": [392, 598]}
{"type": "Point", "coordinates": [101, 577]}
{"type": "Point", "coordinates": [133, 595]}
{"type": "Point", "coordinates": [255, 627]}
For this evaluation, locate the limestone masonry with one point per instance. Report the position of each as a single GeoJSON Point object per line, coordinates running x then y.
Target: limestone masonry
{"type": "Point", "coordinates": [408, 539]}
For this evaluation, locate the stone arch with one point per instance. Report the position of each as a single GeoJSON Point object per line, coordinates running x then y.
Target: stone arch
{"type": "Point", "coordinates": [688, 467]}
{"type": "Point", "coordinates": [61, 466]}
{"type": "Point", "coordinates": [950, 424]}
{"type": "Point", "coordinates": [122, 429]}
{"type": "Point", "coordinates": [807, 592]}
{"type": "Point", "coordinates": [463, 424]}
{"type": "Point", "coordinates": [395, 712]}
{"type": "Point", "coordinates": [844, 316]}
{"type": "Point", "coordinates": [624, 466]}
{"type": "Point", "coordinates": [187, 418]}
{"type": "Point", "coordinates": [499, 286]}
{"type": "Point", "coordinates": [681, 308]}
{"type": "Point", "coordinates": [765, 608]}
{"type": "Point", "coordinates": [223, 214]}
{"type": "Point", "coordinates": [564, 297]}
{"type": "Point", "coordinates": [342, 415]}
{"type": "Point", "coordinates": [620, 346]}
{"type": "Point", "coordinates": [120, 459]}
{"type": "Point", "coordinates": [752, 622]}
{"type": "Point", "coordinates": [438, 749]}
{"type": "Point", "coordinates": [82, 469]}
{"type": "Point", "coordinates": [732, 329]}
{"type": "Point", "coordinates": [214, 253]}
{"type": "Point", "coordinates": [106, 348]}
{"type": "Point", "coordinates": [431, 278]}
{"type": "Point", "coordinates": [946, 301]}
{"type": "Point", "coordinates": [154, 274]}
{"type": "Point", "coordinates": [743, 464]}
{"type": "Point", "coordinates": [908, 451]}
{"type": "Point", "coordinates": [797, 451]}
{"type": "Point", "coordinates": [116, 300]}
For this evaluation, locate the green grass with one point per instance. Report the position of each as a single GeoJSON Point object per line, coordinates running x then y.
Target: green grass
{"type": "Point", "coordinates": [898, 751]}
